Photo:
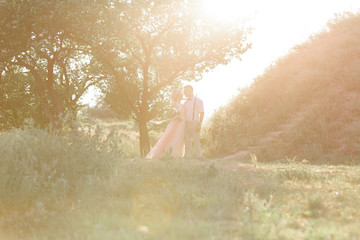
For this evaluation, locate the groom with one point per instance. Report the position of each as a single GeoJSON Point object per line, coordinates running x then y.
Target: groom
{"type": "Point", "coordinates": [194, 116]}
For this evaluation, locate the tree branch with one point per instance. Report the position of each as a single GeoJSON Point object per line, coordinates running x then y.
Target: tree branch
{"type": "Point", "coordinates": [134, 55]}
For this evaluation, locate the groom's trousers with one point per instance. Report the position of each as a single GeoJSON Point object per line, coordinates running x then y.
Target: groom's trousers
{"type": "Point", "coordinates": [192, 136]}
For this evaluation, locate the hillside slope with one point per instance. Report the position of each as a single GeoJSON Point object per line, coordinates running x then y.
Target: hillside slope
{"type": "Point", "coordinates": [306, 105]}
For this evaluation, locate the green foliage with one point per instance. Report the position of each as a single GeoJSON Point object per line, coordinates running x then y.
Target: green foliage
{"type": "Point", "coordinates": [77, 186]}
{"type": "Point", "coordinates": [42, 173]}
{"type": "Point", "coordinates": [14, 33]}
{"type": "Point", "coordinates": [123, 135]}
{"type": "Point", "coordinates": [298, 175]}
{"type": "Point", "coordinates": [16, 104]}
{"type": "Point", "coordinates": [39, 41]}
{"type": "Point", "coordinates": [54, 159]}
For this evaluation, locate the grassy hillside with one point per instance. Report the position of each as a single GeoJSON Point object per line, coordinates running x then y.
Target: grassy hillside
{"type": "Point", "coordinates": [306, 105]}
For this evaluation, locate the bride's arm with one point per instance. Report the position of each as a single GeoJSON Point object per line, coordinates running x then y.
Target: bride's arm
{"type": "Point", "coordinates": [175, 112]}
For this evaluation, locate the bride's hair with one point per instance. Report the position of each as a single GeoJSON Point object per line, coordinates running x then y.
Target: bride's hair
{"type": "Point", "coordinates": [175, 94]}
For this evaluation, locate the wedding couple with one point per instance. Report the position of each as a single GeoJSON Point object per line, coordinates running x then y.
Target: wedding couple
{"type": "Point", "coordinates": [183, 129]}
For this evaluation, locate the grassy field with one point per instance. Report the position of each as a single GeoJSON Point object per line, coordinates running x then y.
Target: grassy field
{"type": "Point", "coordinates": [72, 187]}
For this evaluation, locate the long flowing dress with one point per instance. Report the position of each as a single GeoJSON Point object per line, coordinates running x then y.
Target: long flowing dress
{"type": "Point", "coordinates": [173, 137]}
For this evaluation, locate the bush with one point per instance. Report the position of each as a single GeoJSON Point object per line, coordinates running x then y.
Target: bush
{"type": "Point", "coordinates": [39, 170]}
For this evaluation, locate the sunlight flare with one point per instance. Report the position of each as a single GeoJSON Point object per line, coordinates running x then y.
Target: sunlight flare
{"type": "Point", "coordinates": [228, 10]}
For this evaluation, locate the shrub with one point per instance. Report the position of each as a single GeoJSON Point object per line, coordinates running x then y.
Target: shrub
{"type": "Point", "coordinates": [40, 170]}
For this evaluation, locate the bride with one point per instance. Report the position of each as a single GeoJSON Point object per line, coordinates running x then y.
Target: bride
{"type": "Point", "coordinates": [173, 137]}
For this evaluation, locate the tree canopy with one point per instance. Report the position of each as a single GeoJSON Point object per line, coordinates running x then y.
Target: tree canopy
{"type": "Point", "coordinates": [158, 45]}
{"type": "Point", "coordinates": [134, 51]}
{"type": "Point", "coordinates": [37, 50]}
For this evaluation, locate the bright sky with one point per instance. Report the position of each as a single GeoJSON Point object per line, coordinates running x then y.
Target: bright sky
{"type": "Point", "coordinates": [278, 26]}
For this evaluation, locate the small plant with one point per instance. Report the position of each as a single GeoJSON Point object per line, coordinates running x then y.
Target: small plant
{"type": "Point", "coordinates": [253, 159]}
{"type": "Point", "coordinates": [291, 160]}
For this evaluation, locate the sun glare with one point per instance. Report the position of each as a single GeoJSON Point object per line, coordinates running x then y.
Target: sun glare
{"type": "Point", "coordinates": [228, 10]}
{"type": "Point", "coordinates": [278, 26]}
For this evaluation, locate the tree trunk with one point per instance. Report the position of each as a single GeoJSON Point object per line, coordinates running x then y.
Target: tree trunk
{"type": "Point", "coordinates": [144, 136]}
{"type": "Point", "coordinates": [144, 108]}
{"type": "Point", "coordinates": [54, 96]}
{"type": "Point", "coordinates": [41, 92]}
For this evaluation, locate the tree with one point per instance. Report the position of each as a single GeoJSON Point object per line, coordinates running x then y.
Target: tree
{"type": "Point", "coordinates": [61, 69]}
{"type": "Point", "coordinates": [153, 45]}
